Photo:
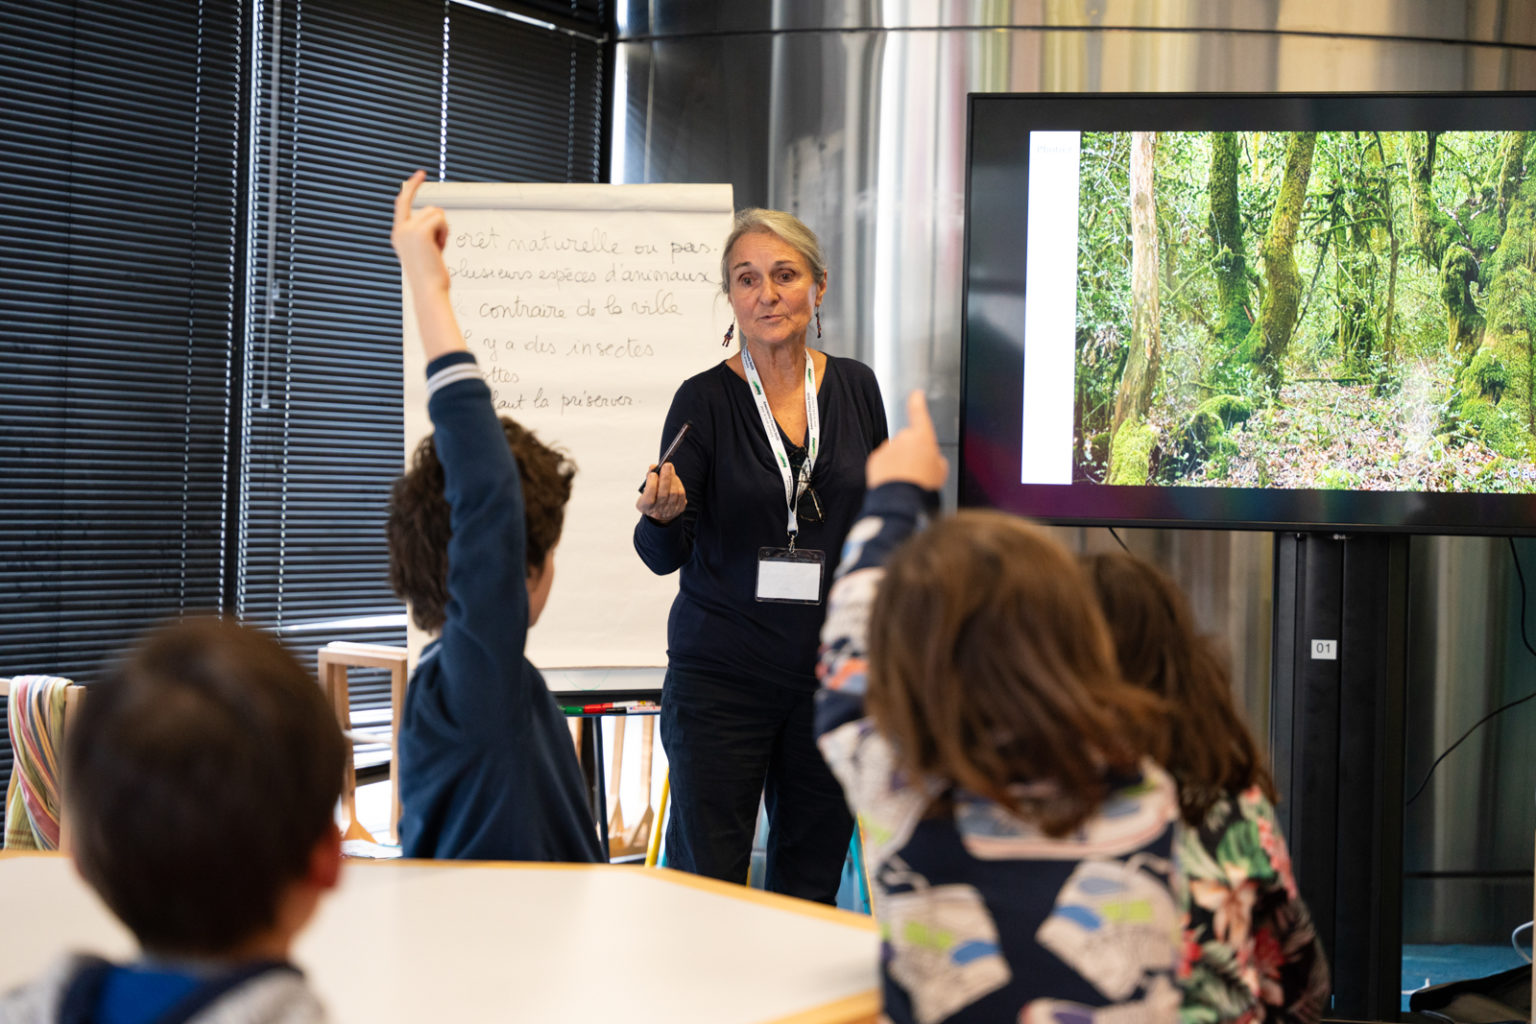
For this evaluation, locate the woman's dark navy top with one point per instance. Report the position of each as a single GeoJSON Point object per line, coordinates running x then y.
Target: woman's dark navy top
{"type": "Point", "coordinates": [736, 506]}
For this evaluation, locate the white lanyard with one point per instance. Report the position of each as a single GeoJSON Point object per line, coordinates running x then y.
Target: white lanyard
{"type": "Point", "coordinates": [792, 486]}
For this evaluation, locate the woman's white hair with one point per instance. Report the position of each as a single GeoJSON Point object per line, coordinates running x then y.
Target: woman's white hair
{"type": "Point", "coordinates": [776, 222]}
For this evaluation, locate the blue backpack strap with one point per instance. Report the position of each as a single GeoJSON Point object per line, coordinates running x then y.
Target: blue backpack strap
{"type": "Point", "coordinates": [201, 997]}
{"type": "Point", "coordinates": [82, 993]}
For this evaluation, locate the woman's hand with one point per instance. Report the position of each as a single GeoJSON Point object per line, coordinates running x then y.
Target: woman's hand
{"type": "Point", "coordinates": [912, 455]}
{"type": "Point", "coordinates": [664, 497]}
{"type": "Point", "coordinates": [418, 237]}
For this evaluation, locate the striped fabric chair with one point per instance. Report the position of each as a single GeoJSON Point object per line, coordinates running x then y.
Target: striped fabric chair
{"type": "Point", "coordinates": [37, 708]}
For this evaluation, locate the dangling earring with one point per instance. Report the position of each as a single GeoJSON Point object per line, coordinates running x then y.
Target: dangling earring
{"type": "Point", "coordinates": [818, 321]}
{"type": "Point", "coordinates": [730, 332]}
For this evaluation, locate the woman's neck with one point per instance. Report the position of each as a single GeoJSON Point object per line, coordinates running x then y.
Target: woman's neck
{"type": "Point", "coordinates": [780, 366]}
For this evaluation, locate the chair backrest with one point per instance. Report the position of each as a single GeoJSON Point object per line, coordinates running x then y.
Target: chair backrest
{"type": "Point", "coordinates": [73, 694]}
{"type": "Point", "coordinates": [333, 660]}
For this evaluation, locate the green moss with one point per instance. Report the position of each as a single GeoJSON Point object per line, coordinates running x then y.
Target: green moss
{"type": "Point", "coordinates": [1230, 409]}
{"type": "Point", "coordinates": [1098, 447]}
{"type": "Point", "coordinates": [1282, 295]}
{"type": "Point", "coordinates": [1357, 334]}
{"type": "Point", "coordinates": [1494, 425]}
{"type": "Point", "coordinates": [1335, 479]}
{"type": "Point", "coordinates": [1486, 230]}
{"type": "Point", "coordinates": [1492, 405]}
{"type": "Point", "coordinates": [1203, 437]}
{"type": "Point", "coordinates": [1463, 321]}
{"type": "Point", "coordinates": [1517, 248]}
{"type": "Point", "coordinates": [1432, 229]}
{"type": "Point", "coordinates": [1512, 316]}
{"type": "Point", "coordinates": [1202, 428]}
{"type": "Point", "coordinates": [1488, 374]}
{"type": "Point", "coordinates": [1130, 454]}
{"type": "Point", "coordinates": [1229, 262]}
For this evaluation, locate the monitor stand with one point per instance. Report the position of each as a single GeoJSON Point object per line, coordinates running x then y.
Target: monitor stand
{"type": "Point", "coordinates": [1339, 676]}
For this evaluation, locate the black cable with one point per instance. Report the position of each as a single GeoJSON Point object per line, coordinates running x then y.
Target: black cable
{"type": "Point", "coordinates": [1115, 535]}
{"type": "Point", "coordinates": [1519, 572]}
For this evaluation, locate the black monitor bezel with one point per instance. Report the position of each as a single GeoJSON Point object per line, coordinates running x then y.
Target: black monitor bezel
{"type": "Point", "coordinates": [998, 126]}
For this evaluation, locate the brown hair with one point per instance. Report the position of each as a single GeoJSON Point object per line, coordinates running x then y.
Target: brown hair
{"type": "Point", "coordinates": [1211, 752]}
{"type": "Point", "coordinates": [990, 666]}
{"type": "Point", "coordinates": [199, 776]}
{"type": "Point", "coordinates": [418, 528]}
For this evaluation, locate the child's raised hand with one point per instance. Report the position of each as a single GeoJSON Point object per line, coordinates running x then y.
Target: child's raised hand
{"type": "Point", "coordinates": [418, 237]}
{"type": "Point", "coordinates": [912, 455]}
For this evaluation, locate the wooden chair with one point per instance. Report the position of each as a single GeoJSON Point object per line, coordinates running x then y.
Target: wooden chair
{"type": "Point", "coordinates": [628, 840]}
{"type": "Point", "coordinates": [334, 661]}
{"type": "Point", "coordinates": [73, 694]}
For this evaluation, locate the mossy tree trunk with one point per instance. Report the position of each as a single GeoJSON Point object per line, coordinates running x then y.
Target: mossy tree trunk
{"type": "Point", "coordinates": [1389, 216]}
{"type": "Point", "coordinates": [1129, 462]}
{"type": "Point", "coordinates": [1282, 296]}
{"type": "Point", "coordinates": [1464, 324]}
{"type": "Point", "coordinates": [1495, 389]}
{"type": "Point", "coordinates": [1225, 225]}
{"type": "Point", "coordinates": [1511, 172]}
{"type": "Point", "coordinates": [1432, 229]}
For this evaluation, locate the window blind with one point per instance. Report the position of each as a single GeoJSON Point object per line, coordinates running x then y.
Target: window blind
{"type": "Point", "coordinates": [200, 394]}
{"type": "Point", "coordinates": [119, 233]}
{"type": "Point", "coordinates": [351, 97]}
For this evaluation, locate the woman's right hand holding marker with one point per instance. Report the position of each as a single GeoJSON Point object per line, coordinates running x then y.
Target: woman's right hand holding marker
{"type": "Point", "coordinates": [664, 497]}
{"type": "Point", "coordinates": [912, 454]}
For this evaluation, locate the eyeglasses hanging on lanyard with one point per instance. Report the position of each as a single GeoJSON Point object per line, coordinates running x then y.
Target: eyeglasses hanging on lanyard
{"type": "Point", "coordinates": [787, 574]}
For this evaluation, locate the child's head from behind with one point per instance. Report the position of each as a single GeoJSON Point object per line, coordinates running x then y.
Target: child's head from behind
{"type": "Point", "coordinates": [990, 665]}
{"type": "Point", "coordinates": [201, 779]}
{"type": "Point", "coordinates": [1160, 649]}
{"type": "Point", "coordinates": [419, 528]}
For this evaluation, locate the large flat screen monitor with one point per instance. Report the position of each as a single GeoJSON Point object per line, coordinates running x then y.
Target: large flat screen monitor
{"type": "Point", "coordinates": [1277, 311]}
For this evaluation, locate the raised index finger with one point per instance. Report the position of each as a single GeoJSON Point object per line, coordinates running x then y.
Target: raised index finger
{"type": "Point", "coordinates": [917, 413]}
{"type": "Point", "coordinates": [407, 195]}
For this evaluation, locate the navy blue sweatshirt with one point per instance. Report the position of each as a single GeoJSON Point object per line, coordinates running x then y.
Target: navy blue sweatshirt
{"type": "Point", "coordinates": [736, 506]}
{"type": "Point", "coordinates": [487, 769]}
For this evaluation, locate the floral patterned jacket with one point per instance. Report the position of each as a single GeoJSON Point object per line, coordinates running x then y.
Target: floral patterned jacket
{"type": "Point", "coordinates": [1250, 951]}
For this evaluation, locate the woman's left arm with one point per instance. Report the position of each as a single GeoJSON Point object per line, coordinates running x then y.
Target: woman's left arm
{"type": "Point", "coordinates": [874, 402]}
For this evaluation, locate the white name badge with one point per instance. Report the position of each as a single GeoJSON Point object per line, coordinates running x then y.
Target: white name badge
{"type": "Point", "coordinates": [791, 577]}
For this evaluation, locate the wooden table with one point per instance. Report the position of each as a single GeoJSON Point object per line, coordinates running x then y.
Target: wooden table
{"type": "Point", "coordinates": [436, 940]}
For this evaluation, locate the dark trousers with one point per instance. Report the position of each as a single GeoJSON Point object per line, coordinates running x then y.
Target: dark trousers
{"type": "Point", "coordinates": [730, 743]}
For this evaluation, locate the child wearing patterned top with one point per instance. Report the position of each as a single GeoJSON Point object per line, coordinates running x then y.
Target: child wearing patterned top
{"type": "Point", "coordinates": [1018, 833]}
{"type": "Point", "coordinates": [1250, 952]}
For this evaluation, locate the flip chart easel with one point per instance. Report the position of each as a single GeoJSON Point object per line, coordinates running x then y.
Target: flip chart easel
{"type": "Point", "coordinates": [586, 306]}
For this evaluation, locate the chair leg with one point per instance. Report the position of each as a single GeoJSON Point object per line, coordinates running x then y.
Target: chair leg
{"type": "Point", "coordinates": [397, 680]}
{"type": "Point", "coordinates": [860, 868]}
{"type": "Point", "coordinates": [334, 680]}
{"type": "Point", "coordinates": [653, 853]}
{"type": "Point", "coordinates": [640, 835]}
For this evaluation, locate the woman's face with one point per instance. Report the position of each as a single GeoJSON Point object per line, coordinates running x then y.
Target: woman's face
{"type": "Point", "coordinates": [772, 291]}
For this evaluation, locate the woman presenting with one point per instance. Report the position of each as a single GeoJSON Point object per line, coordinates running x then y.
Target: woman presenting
{"type": "Point", "coordinates": [753, 507]}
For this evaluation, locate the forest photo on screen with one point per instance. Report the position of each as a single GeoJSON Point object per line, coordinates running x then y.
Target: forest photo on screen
{"type": "Point", "coordinates": [1321, 310]}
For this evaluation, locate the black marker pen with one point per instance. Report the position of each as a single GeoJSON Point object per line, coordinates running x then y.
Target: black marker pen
{"type": "Point", "coordinates": [670, 449]}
